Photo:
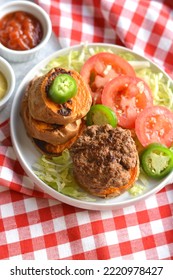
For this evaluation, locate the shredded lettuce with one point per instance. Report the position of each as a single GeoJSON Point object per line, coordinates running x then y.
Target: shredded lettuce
{"type": "Point", "coordinates": [160, 86]}
{"type": "Point", "coordinates": [171, 149]}
{"type": "Point", "coordinates": [136, 190]}
{"type": "Point", "coordinates": [140, 186]}
{"type": "Point", "coordinates": [142, 178]}
{"type": "Point", "coordinates": [57, 173]}
{"type": "Point", "coordinates": [127, 56]}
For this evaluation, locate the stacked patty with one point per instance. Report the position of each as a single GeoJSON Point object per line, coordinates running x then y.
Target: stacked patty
{"type": "Point", "coordinates": [105, 160]}
{"type": "Point", "coordinates": [53, 126]}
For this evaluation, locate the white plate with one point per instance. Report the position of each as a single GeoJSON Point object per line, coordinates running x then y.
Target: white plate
{"type": "Point", "coordinates": [27, 153]}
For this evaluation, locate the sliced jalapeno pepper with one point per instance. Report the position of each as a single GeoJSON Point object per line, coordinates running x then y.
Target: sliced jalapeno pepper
{"type": "Point", "coordinates": [62, 88]}
{"type": "Point", "coordinates": [156, 160]}
{"type": "Point", "coordinates": [100, 115]}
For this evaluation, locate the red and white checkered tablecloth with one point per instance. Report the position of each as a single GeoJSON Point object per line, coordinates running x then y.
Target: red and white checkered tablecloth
{"type": "Point", "coordinates": [33, 226]}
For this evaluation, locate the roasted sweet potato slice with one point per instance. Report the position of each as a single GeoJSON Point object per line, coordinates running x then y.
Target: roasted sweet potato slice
{"type": "Point", "coordinates": [54, 134]}
{"type": "Point", "coordinates": [53, 150]}
{"type": "Point", "coordinates": [42, 108]}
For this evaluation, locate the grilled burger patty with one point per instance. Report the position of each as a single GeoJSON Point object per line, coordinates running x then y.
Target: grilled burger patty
{"type": "Point", "coordinates": [103, 158]}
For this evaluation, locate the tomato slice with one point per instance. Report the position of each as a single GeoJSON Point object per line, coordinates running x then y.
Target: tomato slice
{"type": "Point", "coordinates": [127, 96]}
{"type": "Point", "coordinates": [101, 68]}
{"type": "Point", "coordinates": [155, 125]}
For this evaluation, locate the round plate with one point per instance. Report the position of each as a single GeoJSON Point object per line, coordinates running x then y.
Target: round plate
{"type": "Point", "coordinates": [27, 154]}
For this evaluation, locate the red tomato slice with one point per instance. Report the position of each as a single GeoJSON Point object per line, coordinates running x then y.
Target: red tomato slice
{"type": "Point", "coordinates": [101, 68]}
{"type": "Point", "coordinates": [155, 125]}
{"type": "Point", "coordinates": [127, 96]}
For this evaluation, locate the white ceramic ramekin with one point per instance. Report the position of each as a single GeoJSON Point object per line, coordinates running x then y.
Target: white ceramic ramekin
{"type": "Point", "coordinates": [41, 15]}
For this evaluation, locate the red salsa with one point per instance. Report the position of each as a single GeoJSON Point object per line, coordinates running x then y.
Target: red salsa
{"type": "Point", "coordinates": [20, 31]}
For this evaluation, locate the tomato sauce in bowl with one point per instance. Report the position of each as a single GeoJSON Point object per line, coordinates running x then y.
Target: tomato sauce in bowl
{"type": "Point", "coordinates": [20, 30]}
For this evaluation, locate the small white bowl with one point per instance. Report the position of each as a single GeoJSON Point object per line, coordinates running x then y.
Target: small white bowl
{"type": "Point", "coordinates": [41, 15]}
{"type": "Point", "coordinates": [8, 73]}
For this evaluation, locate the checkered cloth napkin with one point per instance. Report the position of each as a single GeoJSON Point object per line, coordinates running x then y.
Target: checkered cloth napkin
{"type": "Point", "coordinates": [33, 226]}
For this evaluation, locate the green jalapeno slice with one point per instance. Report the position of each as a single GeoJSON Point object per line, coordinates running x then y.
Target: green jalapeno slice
{"type": "Point", "coordinates": [101, 115]}
{"type": "Point", "coordinates": [62, 88]}
{"type": "Point", "coordinates": [156, 160]}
